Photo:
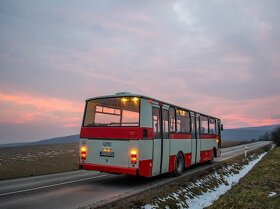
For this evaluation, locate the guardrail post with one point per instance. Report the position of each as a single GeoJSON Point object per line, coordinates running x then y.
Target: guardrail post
{"type": "Point", "coordinates": [246, 151]}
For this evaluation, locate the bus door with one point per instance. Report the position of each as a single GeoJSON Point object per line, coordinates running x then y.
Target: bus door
{"type": "Point", "coordinates": [157, 126]}
{"type": "Point", "coordinates": [160, 141]}
{"type": "Point", "coordinates": [218, 132]}
{"type": "Point", "coordinates": [197, 133]}
{"type": "Point", "coordinates": [194, 138]}
{"type": "Point", "coordinates": [165, 140]}
{"type": "Point", "coordinates": [219, 135]}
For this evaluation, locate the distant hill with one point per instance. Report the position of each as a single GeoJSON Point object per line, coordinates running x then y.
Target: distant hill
{"type": "Point", "coordinates": [56, 140]}
{"type": "Point", "coordinates": [237, 134]}
{"type": "Point", "coordinates": [246, 134]}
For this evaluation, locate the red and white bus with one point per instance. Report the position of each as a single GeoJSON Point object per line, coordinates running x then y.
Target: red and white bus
{"type": "Point", "coordinates": [133, 134]}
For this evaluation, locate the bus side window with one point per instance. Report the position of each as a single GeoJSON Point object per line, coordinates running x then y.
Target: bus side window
{"type": "Point", "coordinates": [203, 125]}
{"type": "Point", "coordinates": [183, 121]}
{"type": "Point", "coordinates": [156, 122]}
{"type": "Point", "coordinates": [212, 127]}
{"type": "Point", "coordinates": [193, 126]}
{"type": "Point", "coordinates": [197, 126]}
{"type": "Point", "coordinates": [165, 124]}
{"type": "Point", "coordinates": [217, 127]}
{"type": "Point", "coordinates": [172, 120]}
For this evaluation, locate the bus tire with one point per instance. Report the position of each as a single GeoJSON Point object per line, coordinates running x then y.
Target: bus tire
{"type": "Point", "coordinates": [179, 164]}
{"type": "Point", "coordinates": [211, 161]}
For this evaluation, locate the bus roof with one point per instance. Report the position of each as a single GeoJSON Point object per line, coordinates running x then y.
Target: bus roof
{"type": "Point", "coordinates": [128, 94]}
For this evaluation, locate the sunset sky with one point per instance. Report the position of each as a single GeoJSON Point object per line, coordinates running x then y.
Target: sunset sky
{"type": "Point", "coordinates": [217, 57]}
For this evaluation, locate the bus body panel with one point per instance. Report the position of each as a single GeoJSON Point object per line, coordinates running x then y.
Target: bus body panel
{"type": "Point", "coordinates": [146, 149]}
{"type": "Point", "coordinates": [120, 148]}
{"type": "Point", "coordinates": [156, 156]}
{"type": "Point", "coordinates": [184, 146]}
{"type": "Point", "coordinates": [193, 147]}
{"type": "Point", "coordinates": [177, 145]}
{"type": "Point", "coordinates": [206, 148]}
{"type": "Point", "coordinates": [198, 148]}
{"type": "Point", "coordinates": [165, 156]}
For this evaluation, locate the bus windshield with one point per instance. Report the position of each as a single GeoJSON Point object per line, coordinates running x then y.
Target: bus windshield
{"type": "Point", "coordinates": [112, 112]}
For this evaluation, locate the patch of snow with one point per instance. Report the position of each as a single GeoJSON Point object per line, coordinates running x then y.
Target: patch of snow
{"type": "Point", "coordinates": [148, 206]}
{"type": "Point", "coordinates": [272, 194]}
{"type": "Point", "coordinates": [207, 198]}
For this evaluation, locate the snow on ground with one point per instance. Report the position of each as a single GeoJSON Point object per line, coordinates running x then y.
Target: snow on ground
{"type": "Point", "coordinates": [204, 192]}
{"type": "Point", "coordinates": [272, 194]}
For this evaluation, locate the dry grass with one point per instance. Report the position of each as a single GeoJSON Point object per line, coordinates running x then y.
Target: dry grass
{"type": "Point", "coordinates": [38, 160]}
{"type": "Point", "coordinates": [253, 190]}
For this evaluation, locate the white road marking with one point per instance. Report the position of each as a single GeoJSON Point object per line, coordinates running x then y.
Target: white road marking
{"type": "Point", "coordinates": [52, 185]}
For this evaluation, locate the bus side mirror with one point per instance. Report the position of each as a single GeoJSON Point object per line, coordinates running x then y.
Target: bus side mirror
{"type": "Point", "coordinates": [222, 127]}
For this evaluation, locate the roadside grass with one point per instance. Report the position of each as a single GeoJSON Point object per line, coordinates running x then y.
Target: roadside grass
{"type": "Point", "coordinates": [155, 195]}
{"type": "Point", "coordinates": [38, 160]}
{"type": "Point", "coordinates": [260, 188]}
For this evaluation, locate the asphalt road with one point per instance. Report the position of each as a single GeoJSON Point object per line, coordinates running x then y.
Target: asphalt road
{"type": "Point", "coordinates": [80, 188]}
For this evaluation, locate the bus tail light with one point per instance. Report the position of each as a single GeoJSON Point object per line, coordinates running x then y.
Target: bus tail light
{"type": "Point", "coordinates": [133, 156]}
{"type": "Point", "coordinates": [83, 152]}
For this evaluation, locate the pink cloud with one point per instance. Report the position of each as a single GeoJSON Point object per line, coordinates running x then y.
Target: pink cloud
{"type": "Point", "coordinates": [22, 108]}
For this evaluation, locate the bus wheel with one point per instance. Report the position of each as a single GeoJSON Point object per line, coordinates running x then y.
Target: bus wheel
{"type": "Point", "coordinates": [211, 161]}
{"type": "Point", "coordinates": [179, 164]}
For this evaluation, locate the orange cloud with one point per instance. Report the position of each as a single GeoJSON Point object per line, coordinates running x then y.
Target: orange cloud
{"type": "Point", "coordinates": [23, 108]}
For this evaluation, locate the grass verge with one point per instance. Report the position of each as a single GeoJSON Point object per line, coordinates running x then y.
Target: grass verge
{"type": "Point", "coordinates": [260, 188]}
{"type": "Point", "coordinates": [156, 195]}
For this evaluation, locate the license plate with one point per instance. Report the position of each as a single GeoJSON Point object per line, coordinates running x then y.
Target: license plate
{"type": "Point", "coordinates": [106, 154]}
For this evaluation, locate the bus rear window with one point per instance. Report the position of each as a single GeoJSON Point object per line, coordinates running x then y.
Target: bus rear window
{"type": "Point", "coordinates": [112, 112]}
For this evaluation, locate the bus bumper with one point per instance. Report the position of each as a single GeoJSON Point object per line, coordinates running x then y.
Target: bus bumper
{"type": "Point", "coordinates": [109, 169]}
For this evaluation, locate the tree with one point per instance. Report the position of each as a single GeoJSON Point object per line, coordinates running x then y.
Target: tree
{"type": "Point", "coordinates": [275, 136]}
{"type": "Point", "coordinates": [265, 137]}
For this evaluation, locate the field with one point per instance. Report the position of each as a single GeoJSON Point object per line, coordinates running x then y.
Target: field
{"type": "Point", "coordinates": [37, 160]}
{"type": "Point", "coordinates": [260, 188]}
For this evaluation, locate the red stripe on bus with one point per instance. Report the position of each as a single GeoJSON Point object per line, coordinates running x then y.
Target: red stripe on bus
{"type": "Point", "coordinates": [208, 136]}
{"type": "Point", "coordinates": [115, 132]}
{"type": "Point", "coordinates": [110, 169]}
{"type": "Point", "coordinates": [145, 168]}
{"type": "Point", "coordinates": [205, 155]}
{"type": "Point", "coordinates": [188, 159]}
{"type": "Point", "coordinates": [180, 136]}
{"type": "Point", "coordinates": [171, 163]}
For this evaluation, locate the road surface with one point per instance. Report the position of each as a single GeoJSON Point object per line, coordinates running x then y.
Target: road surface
{"type": "Point", "coordinates": [80, 188]}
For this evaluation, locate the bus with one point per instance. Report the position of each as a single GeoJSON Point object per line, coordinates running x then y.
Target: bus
{"type": "Point", "coordinates": [138, 135]}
